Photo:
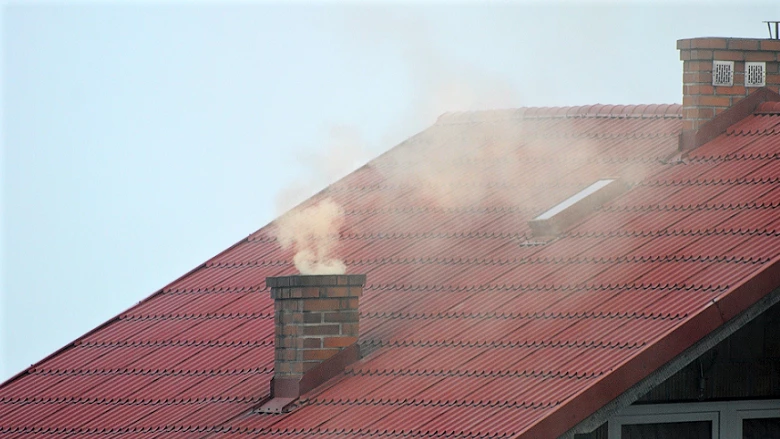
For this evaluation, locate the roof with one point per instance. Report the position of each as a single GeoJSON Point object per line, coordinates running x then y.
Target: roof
{"type": "Point", "coordinates": [469, 325]}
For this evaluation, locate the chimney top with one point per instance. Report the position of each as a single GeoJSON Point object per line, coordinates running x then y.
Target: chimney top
{"type": "Point", "coordinates": [303, 280]}
{"type": "Point", "coordinates": [719, 72]}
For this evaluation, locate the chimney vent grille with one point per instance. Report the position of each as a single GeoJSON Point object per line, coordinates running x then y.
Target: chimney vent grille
{"type": "Point", "coordinates": [755, 74]}
{"type": "Point", "coordinates": [723, 73]}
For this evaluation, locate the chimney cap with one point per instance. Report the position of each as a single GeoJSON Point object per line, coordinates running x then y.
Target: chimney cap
{"type": "Point", "coordinates": [316, 280]}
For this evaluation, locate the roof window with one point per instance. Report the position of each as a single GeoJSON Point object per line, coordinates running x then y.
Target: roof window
{"type": "Point", "coordinates": [565, 213]}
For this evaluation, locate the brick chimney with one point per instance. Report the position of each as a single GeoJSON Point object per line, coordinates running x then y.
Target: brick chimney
{"type": "Point", "coordinates": [718, 72]}
{"type": "Point", "coordinates": [316, 322]}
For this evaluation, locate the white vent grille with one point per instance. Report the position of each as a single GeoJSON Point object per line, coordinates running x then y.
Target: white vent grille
{"type": "Point", "coordinates": [723, 73]}
{"type": "Point", "coordinates": [755, 74]}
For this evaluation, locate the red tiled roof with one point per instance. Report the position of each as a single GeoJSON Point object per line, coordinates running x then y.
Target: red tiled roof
{"type": "Point", "coordinates": [470, 326]}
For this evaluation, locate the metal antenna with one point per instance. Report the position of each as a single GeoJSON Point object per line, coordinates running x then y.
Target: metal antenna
{"type": "Point", "coordinates": [769, 24]}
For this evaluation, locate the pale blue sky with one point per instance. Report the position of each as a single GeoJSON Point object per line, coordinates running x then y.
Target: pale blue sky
{"type": "Point", "coordinates": [140, 139]}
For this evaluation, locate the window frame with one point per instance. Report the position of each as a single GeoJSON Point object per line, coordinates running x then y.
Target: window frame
{"type": "Point", "coordinates": [726, 416]}
{"type": "Point", "coordinates": [661, 414]}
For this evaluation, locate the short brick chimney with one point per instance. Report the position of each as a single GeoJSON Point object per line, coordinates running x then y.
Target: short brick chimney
{"type": "Point", "coordinates": [718, 72]}
{"type": "Point", "coordinates": [316, 322]}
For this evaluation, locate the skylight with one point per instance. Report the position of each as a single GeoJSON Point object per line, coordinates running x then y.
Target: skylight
{"type": "Point", "coordinates": [566, 213]}
{"type": "Point", "coordinates": [576, 198]}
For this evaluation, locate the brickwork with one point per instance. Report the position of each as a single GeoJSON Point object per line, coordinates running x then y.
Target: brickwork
{"type": "Point", "coordinates": [315, 318]}
{"type": "Point", "coordinates": [701, 100]}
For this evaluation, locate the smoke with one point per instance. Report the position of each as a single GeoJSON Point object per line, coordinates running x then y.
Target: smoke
{"type": "Point", "coordinates": [438, 83]}
{"type": "Point", "coordinates": [312, 233]}
{"type": "Point", "coordinates": [469, 165]}
{"type": "Point", "coordinates": [343, 151]}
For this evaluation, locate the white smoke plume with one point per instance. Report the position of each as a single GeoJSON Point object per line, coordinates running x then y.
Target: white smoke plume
{"type": "Point", "coordinates": [312, 233]}
{"type": "Point", "coordinates": [343, 151]}
{"type": "Point", "coordinates": [439, 84]}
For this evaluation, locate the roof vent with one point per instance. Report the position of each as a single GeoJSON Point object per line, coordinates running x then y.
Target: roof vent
{"type": "Point", "coordinates": [564, 214]}
{"type": "Point", "coordinates": [723, 73]}
{"type": "Point", "coordinates": [755, 74]}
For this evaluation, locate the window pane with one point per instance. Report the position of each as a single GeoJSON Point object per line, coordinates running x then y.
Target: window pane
{"type": "Point", "coordinates": [671, 430]}
{"type": "Point", "coordinates": [761, 428]}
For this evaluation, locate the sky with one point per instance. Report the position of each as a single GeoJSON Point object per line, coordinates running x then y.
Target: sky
{"type": "Point", "coordinates": [140, 139]}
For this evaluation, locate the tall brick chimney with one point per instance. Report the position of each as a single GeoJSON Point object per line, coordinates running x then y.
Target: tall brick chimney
{"type": "Point", "coordinates": [718, 72]}
{"type": "Point", "coordinates": [316, 331]}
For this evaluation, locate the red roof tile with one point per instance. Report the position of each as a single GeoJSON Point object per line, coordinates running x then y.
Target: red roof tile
{"type": "Point", "coordinates": [469, 325]}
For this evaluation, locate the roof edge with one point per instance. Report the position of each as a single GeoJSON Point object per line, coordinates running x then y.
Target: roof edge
{"type": "Point", "coordinates": [664, 349]}
{"type": "Point", "coordinates": [674, 366]}
{"type": "Point", "coordinates": [113, 319]}
{"type": "Point", "coordinates": [645, 111]}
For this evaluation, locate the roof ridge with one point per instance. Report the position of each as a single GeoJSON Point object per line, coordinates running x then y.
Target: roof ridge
{"type": "Point", "coordinates": [640, 111]}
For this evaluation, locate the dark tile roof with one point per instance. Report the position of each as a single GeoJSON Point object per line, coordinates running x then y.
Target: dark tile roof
{"type": "Point", "coordinates": [473, 327]}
